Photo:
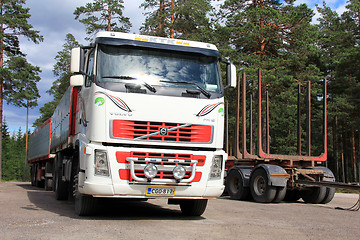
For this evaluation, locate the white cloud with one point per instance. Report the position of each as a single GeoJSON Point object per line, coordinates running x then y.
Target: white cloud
{"type": "Point", "coordinates": [54, 19]}
{"type": "Point", "coordinates": [341, 9]}
{"type": "Point", "coordinates": [338, 5]}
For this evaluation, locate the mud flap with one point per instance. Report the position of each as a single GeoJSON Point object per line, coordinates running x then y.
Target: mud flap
{"type": "Point", "coordinates": [277, 175]}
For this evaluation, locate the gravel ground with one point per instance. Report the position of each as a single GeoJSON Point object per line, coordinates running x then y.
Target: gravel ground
{"type": "Point", "coordinates": [32, 213]}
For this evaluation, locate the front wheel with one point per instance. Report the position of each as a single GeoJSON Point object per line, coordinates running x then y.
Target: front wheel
{"type": "Point", "coordinates": [84, 205]}
{"type": "Point", "coordinates": [193, 207]}
{"type": "Point", "coordinates": [259, 187]}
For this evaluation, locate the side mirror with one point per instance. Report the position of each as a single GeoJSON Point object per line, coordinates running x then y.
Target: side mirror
{"type": "Point", "coordinates": [77, 80]}
{"type": "Point", "coordinates": [230, 75]}
{"type": "Point", "coordinates": [75, 61]}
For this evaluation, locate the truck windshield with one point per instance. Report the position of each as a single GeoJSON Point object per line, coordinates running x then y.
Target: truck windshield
{"type": "Point", "coordinates": [154, 67]}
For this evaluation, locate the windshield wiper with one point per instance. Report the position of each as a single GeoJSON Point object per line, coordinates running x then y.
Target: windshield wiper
{"type": "Point", "coordinates": [202, 90]}
{"type": "Point", "coordinates": [148, 86]}
{"type": "Point", "coordinates": [120, 77]}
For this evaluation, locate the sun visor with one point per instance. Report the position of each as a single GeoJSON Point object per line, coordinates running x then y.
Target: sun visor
{"type": "Point", "coordinates": [171, 44]}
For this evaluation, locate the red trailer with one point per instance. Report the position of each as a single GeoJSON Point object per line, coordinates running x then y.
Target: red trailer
{"type": "Point", "coordinates": [270, 177]}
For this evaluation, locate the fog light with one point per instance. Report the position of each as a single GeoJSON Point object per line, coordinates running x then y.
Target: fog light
{"type": "Point", "coordinates": [150, 170]}
{"type": "Point", "coordinates": [179, 172]}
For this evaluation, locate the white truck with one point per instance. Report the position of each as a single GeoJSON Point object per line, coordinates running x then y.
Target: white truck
{"type": "Point", "coordinates": [143, 118]}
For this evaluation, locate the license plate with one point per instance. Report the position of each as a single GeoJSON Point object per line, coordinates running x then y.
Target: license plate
{"type": "Point", "coordinates": [160, 191]}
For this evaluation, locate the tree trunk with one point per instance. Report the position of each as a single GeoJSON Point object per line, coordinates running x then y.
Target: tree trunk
{"type": "Point", "coordinates": [109, 18]}
{"type": "Point", "coordinates": [172, 30]}
{"type": "Point", "coordinates": [26, 141]}
{"type": "Point", "coordinates": [335, 146]}
{"type": "Point", "coordinates": [353, 161]}
{"type": "Point", "coordinates": [1, 83]}
{"type": "Point", "coordinates": [342, 158]}
{"type": "Point", "coordinates": [346, 160]}
{"type": "Point", "coordinates": [161, 12]}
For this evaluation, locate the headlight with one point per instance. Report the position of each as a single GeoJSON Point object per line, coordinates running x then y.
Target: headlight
{"type": "Point", "coordinates": [179, 172]}
{"type": "Point", "coordinates": [150, 170]}
{"type": "Point", "coordinates": [101, 163]}
{"type": "Point", "coordinates": [216, 166]}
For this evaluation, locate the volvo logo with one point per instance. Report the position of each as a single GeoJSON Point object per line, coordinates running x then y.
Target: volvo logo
{"type": "Point", "coordinates": [163, 131]}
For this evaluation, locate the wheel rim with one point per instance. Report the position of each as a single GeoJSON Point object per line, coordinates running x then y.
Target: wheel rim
{"type": "Point", "coordinates": [235, 185]}
{"type": "Point", "coordinates": [259, 185]}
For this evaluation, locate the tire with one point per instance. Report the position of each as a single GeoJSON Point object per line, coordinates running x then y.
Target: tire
{"type": "Point", "coordinates": [292, 195]}
{"type": "Point", "coordinates": [84, 205]}
{"type": "Point", "coordinates": [280, 194]}
{"type": "Point", "coordinates": [61, 187]}
{"type": "Point", "coordinates": [259, 187]}
{"type": "Point", "coordinates": [48, 181]}
{"type": "Point", "coordinates": [38, 183]}
{"type": "Point", "coordinates": [329, 195]}
{"type": "Point", "coordinates": [193, 207]}
{"type": "Point", "coordinates": [32, 174]}
{"type": "Point", "coordinates": [313, 195]}
{"type": "Point", "coordinates": [48, 184]}
{"type": "Point", "coordinates": [235, 186]}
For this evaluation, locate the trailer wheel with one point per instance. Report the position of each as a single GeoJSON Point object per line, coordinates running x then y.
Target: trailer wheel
{"type": "Point", "coordinates": [329, 195]}
{"type": "Point", "coordinates": [280, 194]}
{"type": "Point", "coordinates": [260, 190]}
{"type": "Point", "coordinates": [48, 180]}
{"type": "Point", "coordinates": [313, 195]}
{"type": "Point", "coordinates": [32, 174]}
{"type": "Point", "coordinates": [235, 186]}
{"type": "Point", "coordinates": [38, 183]}
{"type": "Point", "coordinates": [292, 195]}
{"type": "Point", "coordinates": [48, 184]}
{"type": "Point", "coordinates": [193, 207]}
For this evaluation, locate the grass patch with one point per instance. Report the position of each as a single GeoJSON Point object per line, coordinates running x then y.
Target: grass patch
{"type": "Point", "coordinates": [347, 191]}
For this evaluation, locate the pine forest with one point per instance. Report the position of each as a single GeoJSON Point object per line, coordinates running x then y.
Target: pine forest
{"type": "Point", "coordinates": [280, 38]}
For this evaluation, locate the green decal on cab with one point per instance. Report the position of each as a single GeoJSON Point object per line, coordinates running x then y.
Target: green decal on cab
{"type": "Point", "coordinates": [99, 101]}
{"type": "Point", "coordinates": [221, 111]}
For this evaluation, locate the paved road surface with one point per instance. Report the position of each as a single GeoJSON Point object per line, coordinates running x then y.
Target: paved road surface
{"type": "Point", "coordinates": [27, 212]}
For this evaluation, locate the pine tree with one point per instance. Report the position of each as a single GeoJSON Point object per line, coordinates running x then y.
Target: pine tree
{"type": "Point", "coordinates": [62, 71]}
{"type": "Point", "coordinates": [105, 15]}
{"type": "Point", "coordinates": [185, 19]}
{"type": "Point", "coordinates": [339, 43]}
{"type": "Point", "coordinates": [278, 38]}
{"type": "Point", "coordinates": [22, 91]}
{"type": "Point", "coordinates": [13, 23]}
{"type": "Point", "coordinates": [13, 146]}
{"type": "Point", "coordinates": [20, 88]}
{"type": "Point", "coordinates": [6, 148]}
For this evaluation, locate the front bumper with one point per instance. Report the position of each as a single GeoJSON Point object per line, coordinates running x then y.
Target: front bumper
{"type": "Point", "coordinates": [120, 185]}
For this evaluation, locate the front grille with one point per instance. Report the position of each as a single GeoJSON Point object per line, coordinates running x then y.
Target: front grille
{"type": "Point", "coordinates": [161, 131]}
{"type": "Point", "coordinates": [165, 162]}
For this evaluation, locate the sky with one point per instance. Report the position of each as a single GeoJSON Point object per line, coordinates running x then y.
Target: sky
{"type": "Point", "coordinates": [54, 19]}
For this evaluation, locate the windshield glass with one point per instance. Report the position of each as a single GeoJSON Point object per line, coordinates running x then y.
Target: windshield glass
{"type": "Point", "coordinates": [155, 67]}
